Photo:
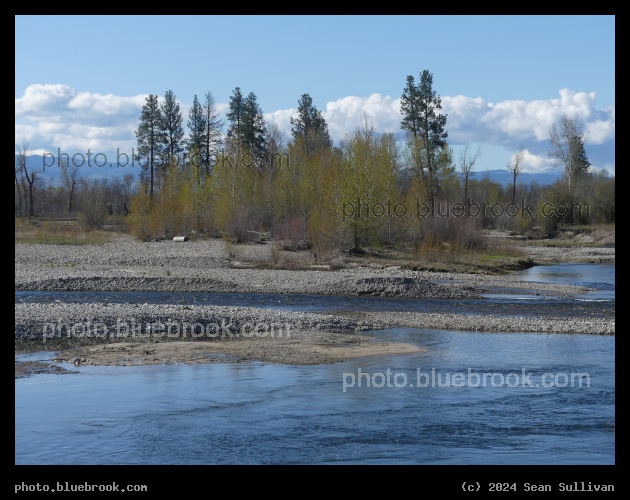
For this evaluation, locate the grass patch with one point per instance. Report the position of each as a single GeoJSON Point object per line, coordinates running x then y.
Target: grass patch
{"type": "Point", "coordinates": [564, 243]}
{"type": "Point", "coordinates": [498, 257]}
{"type": "Point", "coordinates": [57, 232]}
{"type": "Point", "coordinates": [492, 258]}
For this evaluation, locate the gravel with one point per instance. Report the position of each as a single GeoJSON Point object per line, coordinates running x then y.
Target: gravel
{"type": "Point", "coordinates": [553, 254]}
{"type": "Point", "coordinates": [491, 323]}
{"type": "Point", "coordinates": [141, 321]}
{"type": "Point", "coordinates": [204, 266]}
{"type": "Point", "coordinates": [125, 264]}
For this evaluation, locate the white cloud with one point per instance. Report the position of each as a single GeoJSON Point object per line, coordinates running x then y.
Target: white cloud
{"type": "Point", "coordinates": [52, 116]}
{"type": "Point", "coordinates": [508, 122]}
{"type": "Point", "coordinates": [346, 114]}
{"type": "Point", "coordinates": [43, 100]}
{"type": "Point", "coordinates": [59, 102]}
{"type": "Point", "coordinates": [533, 163]}
{"type": "Point", "coordinates": [282, 118]}
{"type": "Point", "coordinates": [598, 131]}
{"type": "Point", "coordinates": [89, 104]}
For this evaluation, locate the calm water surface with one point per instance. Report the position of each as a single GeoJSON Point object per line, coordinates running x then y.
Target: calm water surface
{"type": "Point", "coordinates": [432, 408]}
{"type": "Point", "coordinates": [599, 303]}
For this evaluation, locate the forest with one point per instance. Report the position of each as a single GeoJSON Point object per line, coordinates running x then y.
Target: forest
{"type": "Point", "coordinates": [241, 177]}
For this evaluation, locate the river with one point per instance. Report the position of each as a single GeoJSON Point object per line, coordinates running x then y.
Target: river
{"type": "Point", "coordinates": [474, 398]}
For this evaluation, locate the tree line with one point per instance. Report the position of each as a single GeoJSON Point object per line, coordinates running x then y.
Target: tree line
{"type": "Point", "coordinates": [94, 201]}
{"type": "Point", "coordinates": [303, 188]}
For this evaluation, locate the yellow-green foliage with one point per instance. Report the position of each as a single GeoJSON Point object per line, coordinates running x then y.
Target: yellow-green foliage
{"type": "Point", "coordinates": [176, 210]}
{"type": "Point", "coordinates": [370, 168]}
{"type": "Point", "coordinates": [303, 197]}
{"type": "Point", "coordinates": [141, 222]}
{"type": "Point", "coordinates": [57, 233]}
{"type": "Point", "coordinates": [227, 188]}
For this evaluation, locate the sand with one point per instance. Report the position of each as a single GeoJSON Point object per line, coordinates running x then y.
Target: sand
{"type": "Point", "coordinates": [204, 266]}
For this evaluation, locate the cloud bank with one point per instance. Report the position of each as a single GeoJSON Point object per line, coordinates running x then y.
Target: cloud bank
{"type": "Point", "coordinates": [55, 116]}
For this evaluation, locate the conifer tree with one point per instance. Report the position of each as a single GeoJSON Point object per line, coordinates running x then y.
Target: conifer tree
{"type": "Point", "coordinates": [150, 137]}
{"type": "Point", "coordinates": [213, 131]}
{"type": "Point", "coordinates": [173, 130]}
{"type": "Point", "coordinates": [581, 164]}
{"type": "Point", "coordinates": [235, 116]}
{"type": "Point", "coordinates": [567, 147]}
{"type": "Point", "coordinates": [197, 138]}
{"type": "Point", "coordinates": [409, 108]}
{"type": "Point", "coordinates": [253, 126]}
{"type": "Point", "coordinates": [310, 125]}
{"type": "Point", "coordinates": [425, 127]}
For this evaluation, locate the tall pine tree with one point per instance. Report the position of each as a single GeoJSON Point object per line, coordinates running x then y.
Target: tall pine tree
{"type": "Point", "coordinates": [197, 137]}
{"type": "Point", "coordinates": [235, 116]}
{"type": "Point", "coordinates": [310, 126]}
{"type": "Point", "coordinates": [410, 109]}
{"type": "Point", "coordinates": [213, 131]}
{"type": "Point", "coordinates": [150, 137]}
{"type": "Point", "coordinates": [253, 134]}
{"type": "Point", "coordinates": [425, 127]}
{"type": "Point", "coordinates": [580, 165]}
{"type": "Point", "coordinates": [173, 130]}
{"type": "Point", "coordinates": [567, 147]}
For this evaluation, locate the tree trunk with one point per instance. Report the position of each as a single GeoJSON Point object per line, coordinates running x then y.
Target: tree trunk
{"type": "Point", "coordinates": [70, 199]}
{"type": "Point", "coordinates": [31, 211]}
{"type": "Point", "coordinates": [514, 187]}
{"type": "Point", "coordinates": [17, 185]}
{"type": "Point", "coordinates": [466, 204]}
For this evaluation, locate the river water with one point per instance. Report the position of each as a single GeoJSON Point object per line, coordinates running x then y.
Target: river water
{"type": "Point", "coordinates": [474, 398]}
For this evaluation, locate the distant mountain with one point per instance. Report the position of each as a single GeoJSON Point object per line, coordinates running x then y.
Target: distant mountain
{"type": "Point", "coordinates": [47, 168]}
{"type": "Point", "coordinates": [504, 177]}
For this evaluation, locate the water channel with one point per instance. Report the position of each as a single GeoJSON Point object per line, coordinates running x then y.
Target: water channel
{"type": "Point", "coordinates": [474, 398]}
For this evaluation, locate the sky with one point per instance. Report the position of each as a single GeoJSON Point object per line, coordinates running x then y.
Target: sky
{"type": "Point", "coordinates": [81, 81]}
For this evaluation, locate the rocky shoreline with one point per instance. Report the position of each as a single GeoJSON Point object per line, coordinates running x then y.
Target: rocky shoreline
{"type": "Point", "coordinates": [572, 253]}
{"type": "Point", "coordinates": [205, 266]}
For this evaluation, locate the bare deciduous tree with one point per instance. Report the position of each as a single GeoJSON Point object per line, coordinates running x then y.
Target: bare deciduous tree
{"type": "Point", "coordinates": [94, 202]}
{"type": "Point", "coordinates": [69, 178]}
{"type": "Point", "coordinates": [18, 169]}
{"type": "Point", "coordinates": [22, 154]}
{"type": "Point", "coordinates": [564, 138]}
{"type": "Point", "coordinates": [515, 168]}
{"type": "Point", "coordinates": [466, 162]}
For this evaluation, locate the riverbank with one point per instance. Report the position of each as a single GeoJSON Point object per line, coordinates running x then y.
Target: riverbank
{"type": "Point", "coordinates": [303, 348]}
{"type": "Point", "coordinates": [550, 254]}
{"type": "Point", "coordinates": [213, 266]}
{"type": "Point", "coordinates": [214, 332]}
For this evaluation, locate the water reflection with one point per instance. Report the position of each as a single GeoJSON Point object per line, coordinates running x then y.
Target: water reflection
{"type": "Point", "coordinates": [252, 413]}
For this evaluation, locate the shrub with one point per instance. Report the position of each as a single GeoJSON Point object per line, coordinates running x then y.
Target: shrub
{"type": "Point", "coordinates": [139, 219]}
{"type": "Point", "coordinates": [457, 232]}
{"type": "Point", "coordinates": [292, 233]}
{"type": "Point", "coordinates": [522, 225]}
{"type": "Point", "coordinates": [240, 224]}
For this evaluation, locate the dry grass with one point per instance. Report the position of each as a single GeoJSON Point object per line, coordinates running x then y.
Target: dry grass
{"type": "Point", "coordinates": [493, 257]}
{"type": "Point", "coordinates": [286, 259]}
{"type": "Point", "coordinates": [57, 232]}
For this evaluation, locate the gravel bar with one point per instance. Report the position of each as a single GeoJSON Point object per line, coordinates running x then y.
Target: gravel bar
{"type": "Point", "coordinates": [141, 321]}
{"type": "Point", "coordinates": [125, 264]}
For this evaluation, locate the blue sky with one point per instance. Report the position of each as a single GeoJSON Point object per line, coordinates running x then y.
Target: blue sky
{"type": "Point", "coordinates": [80, 81]}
